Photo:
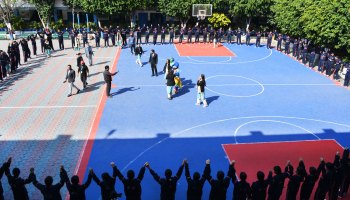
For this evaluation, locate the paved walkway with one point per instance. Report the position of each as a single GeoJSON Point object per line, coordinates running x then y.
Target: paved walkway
{"type": "Point", "coordinates": [40, 126]}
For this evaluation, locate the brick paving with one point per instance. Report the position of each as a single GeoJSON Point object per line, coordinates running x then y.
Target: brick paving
{"type": "Point", "coordinates": [39, 126]}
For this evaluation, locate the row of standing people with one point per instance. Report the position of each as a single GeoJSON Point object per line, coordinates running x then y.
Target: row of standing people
{"type": "Point", "coordinates": [333, 179]}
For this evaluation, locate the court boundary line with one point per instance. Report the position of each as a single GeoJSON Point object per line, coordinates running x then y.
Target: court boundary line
{"type": "Point", "coordinates": [81, 164]}
{"type": "Point", "coordinates": [223, 85]}
{"type": "Point", "coordinates": [45, 107]}
{"type": "Point", "coordinates": [243, 143]}
{"type": "Point", "coordinates": [223, 120]}
{"type": "Point", "coordinates": [254, 121]}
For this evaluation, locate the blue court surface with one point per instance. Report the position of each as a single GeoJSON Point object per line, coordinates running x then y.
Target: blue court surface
{"type": "Point", "coordinates": [260, 95]}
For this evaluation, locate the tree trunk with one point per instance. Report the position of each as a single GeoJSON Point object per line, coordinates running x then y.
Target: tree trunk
{"type": "Point", "coordinates": [248, 23]}
{"type": "Point", "coordinates": [41, 20]}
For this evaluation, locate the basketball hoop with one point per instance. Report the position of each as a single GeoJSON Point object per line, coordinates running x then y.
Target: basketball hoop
{"type": "Point", "coordinates": [201, 17]}
{"type": "Point", "coordinates": [201, 11]}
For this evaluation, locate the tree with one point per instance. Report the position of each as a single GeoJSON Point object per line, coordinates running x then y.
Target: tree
{"type": "Point", "coordinates": [107, 7]}
{"type": "Point", "coordinates": [286, 16]}
{"type": "Point", "coordinates": [45, 10]}
{"type": "Point", "coordinates": [327, 23]}
{"type": "Point", "coordinates": [180, 9]}
{"type": "Point", "coordinates": [219, 20]}
{"type": "Point", "coordinates": [6, 11]}
{"type": "Point", "coordinates": [249, 9]}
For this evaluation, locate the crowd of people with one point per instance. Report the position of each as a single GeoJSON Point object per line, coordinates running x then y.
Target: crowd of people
{"type": "Point", "coordinates": [333, 179]}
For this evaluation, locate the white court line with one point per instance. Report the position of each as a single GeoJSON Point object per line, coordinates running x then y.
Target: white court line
{"type": "Point", "coordinates": [286, 142]}
{"type": "Point", "coordinates": [69, 57]}
{"type": "Point", "coordinates": [224, 120]}
{"type": "Point", "coordinates": [45, 107]}
{"type": "Point", "coordinates": [238, 84]}
{"type": "Point", "coordinates": [250, 122]}
{"type": "Point", "coordinates": [239, 96]}
{"type": "Point", "coordinates": [204, 61]}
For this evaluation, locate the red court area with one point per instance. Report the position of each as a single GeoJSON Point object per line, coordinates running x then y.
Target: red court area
{"type": "Point", "coordinates": [251, 158]}
{"type": "Point", "coordinates": [202, 49]}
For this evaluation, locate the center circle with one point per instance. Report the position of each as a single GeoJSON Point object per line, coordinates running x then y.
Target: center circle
{"type": "Point", "coordinates": [237, 81]}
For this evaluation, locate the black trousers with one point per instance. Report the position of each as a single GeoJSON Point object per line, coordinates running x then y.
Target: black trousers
{"type": "Point", "coordinates": [154, 69]}
{"type": "Point", "coordinates": [61, 44]}
{"type": "Point", "coordinates": [34, 48]}
{"type": "Point", "coordinates": [108, 88]}
{"type": "Point", "coordinates": [73, 42]}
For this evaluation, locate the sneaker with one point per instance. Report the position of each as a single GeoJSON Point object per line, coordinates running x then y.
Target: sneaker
{"type": "Point", "coordinates": [204, 106]}
{"type": "Point", "coordinates": [197, 104]}
{"type": "Point", "coordinates": [69, 95]}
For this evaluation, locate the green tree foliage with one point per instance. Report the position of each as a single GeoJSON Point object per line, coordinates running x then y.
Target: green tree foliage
{"type": "Point", "coordinates": [45, 10]}
{"type": "Point", "coordinates": [250, 8]}
{"type": "Point", "coordinates": [324, 22]}
{"type": "Point", "coordinates": [181, 9]}
{"type": "Point", "coordinates": [219, 20]}
{"type": "Point", "coordinates": [287, 16]}
{"type": "Point", "coordinates": [6, 11]}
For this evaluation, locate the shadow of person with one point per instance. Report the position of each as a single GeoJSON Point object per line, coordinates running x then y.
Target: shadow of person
{"type": "Point", "coordinates": [211, 99]}
{"type": "Point", "coordinates": [186, 86]}
{"type": "Point", "coordinates": [123, 90]}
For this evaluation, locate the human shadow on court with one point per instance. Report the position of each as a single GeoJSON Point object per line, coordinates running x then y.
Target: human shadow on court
{"type": "Point", "coordinates": [123, 90]}
{"type": "Point", "coordinates": [59, 55]}
{"type": "Point", "coordinates": [211, 99]}
{"type": "Point", "coordinates": [186, 86]}
{"type": "Point", "coordinates": [100, 63]}
{"type": "Point", "coordinates": [94, 74]}
{"type": "Point", "coordinates": [93, 86]}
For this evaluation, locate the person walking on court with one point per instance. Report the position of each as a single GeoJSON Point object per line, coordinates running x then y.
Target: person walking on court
{"type": "Point", "coordinates": [70, 77]}
{"type": "Point", "coordinates": [168, 183]}
{"type": "Point", "coordinates": [170, 83]}
{"type": "Point", "coordinates": [138, 54]}
{"type": "Point", "coordinates": [89, 53]}
{"type": "Point", "coordinates": [132, 185]}
{"type": "Point", "coordinates": [153, 60]}
{"type": "Point", "coordinates": [200, 91]}
{"type": "Point", "coordinates": [108, 79]}
{"type": "Point", "coordinates": [194, 185]}
{"type": "Point", "coordinates": [84, 73]}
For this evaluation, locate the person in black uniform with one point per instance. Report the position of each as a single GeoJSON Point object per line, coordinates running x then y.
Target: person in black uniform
{"type": "Point", "coordinates": [171, 36]}
{"type": "Point", "coordinates": [25, 49]}
{"type": "Point", "coordinates": [258, 39]}
{"type": "Point", "coordinates": [60, 39]}
{"type": "Point", "coordinates": [347, 75]}
{"type": "Point", "coordinates": [239, 35]}
{"type": "Point", "coordinates": [182, 32]}
{"type": "Point", "coordinates": [153, 60]}
{"type": "Point", "coordinates": [241, 189]}
{"type": "Point", "coordinates": [107, 185]}
{"type": "Point", "coordinates": [155, 36]}
{"type": "Point", "coordinates": [16, 183]}
{"type": "Point", "coordinates": [85, 38]}
{"type": "Point", "coordinates": [259, 187]}
{"type": "Point", "coordinates": [345, 162]}
{"type": "Point", "coordinates": [32, 38]}
{"type": "Point", "coordinates": [247, 38]}
{"type": "Point", "coordinates": [287, 46]}
{"type": "Point", "coordinates": [168, 183]}
{"type": "Point", "coordinates": [48, 190]}
{"type": "Point", "coordinates": [79, 60]}
{"type": "Point", "coordinates": [295, 47]}
{"type": "Point", "coordinates": [4, 61]}
{"type": "Point", "coordinates": [325, 182]}
{"type": "Point", "coordinates": [76, 190]}
{"type": "Point", "coordinates": [147, 32]}
{"type": "Point", "coordinates": [294, 181]}
{"type": "Point", "coordinates": [330, 64]}
{"type": "Point", "coordinates": [269, 41]}
{"type": "Point", "coordinates": [42, 40]}
{"type": "Point", "coordinates": [72, 36]}
{"type": "Point", "coordinates": [132, 185]}
{"type": "Point", "coordinates": [312, 59]}
{"type": "Point", "coordinates": [310, 181]}
{"type": "Point", "coordinates": [2, 171]}
{"type": "Point", "coordinates": [322, 62]}
{"type": "Point", "coordinates": [195, 184]}
{"type": "Point", "coordinates": [84, 73]}
{"type": "Point", "coordinates": [218, 186]}
{"type": "Point", "coordinates": [138, 36]}
{"type": "Point", "coordinates": [300, 49]}
{"type": "Point", "coordinates": [337, 66]}
{"type": "Point", "coordinates": [279, 42]}
{"type": "Point", "coordinates": [112, 35]}
{"type": "Point", "coordinates": [276, 183]}
{"type": "Point", "coordinates": [196, 34]}
{"type": "Point", "coordinates": [205, 35]}
{"type": "Point", "coordinates": [49, 37]}
{"type": "Point", "coordinates": [304, 54]}
{"type": "Point", "coordinates": [189, 35]}
{"type": "Point", "coordinates": [162, 36]}
{"type": "Point", "coordinates": [123, 34]}
{"type": "Point", "coordinates": [108, 79]}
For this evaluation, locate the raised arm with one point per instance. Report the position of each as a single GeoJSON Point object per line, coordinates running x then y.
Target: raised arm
{"type": "Point", "coordinates": [187, 172]}
{"type": "Point", "coordinates": [232, 172]}
{"type": "Point", "coordinates": [207, 171]}
{"type": "Point", "coordinates": [142, 172]}
{"type": "Point", "coordinates": [116, 172]}
{"type": "Point", "coordinates": [154, 174]}
{"type": "Point", "coordinates": [180, 170]}
{"type": "Point", "coordinates": [88, 181]}
{"type": "Point", "coordinates": [95, 178]}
